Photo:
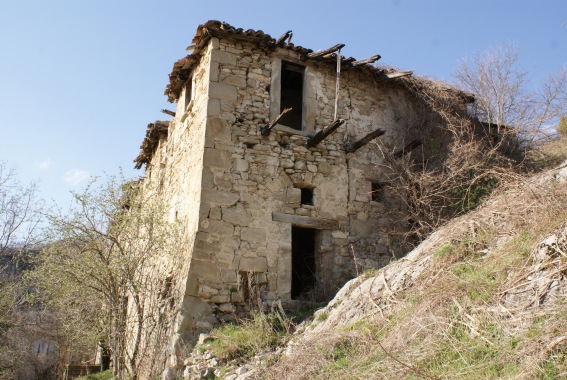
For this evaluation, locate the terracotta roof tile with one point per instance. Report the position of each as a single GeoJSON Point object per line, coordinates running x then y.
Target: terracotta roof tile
{"type": "Point", "coordinates": [182, 68]}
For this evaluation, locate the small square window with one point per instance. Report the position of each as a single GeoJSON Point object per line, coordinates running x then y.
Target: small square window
{"type": "Point", "coordinates": [377, 191]}
{"type": "Point", "coordinates": [306, 196]}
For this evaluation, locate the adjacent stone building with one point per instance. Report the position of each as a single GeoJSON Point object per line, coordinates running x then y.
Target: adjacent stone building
{"type": "Point", "coordinates": [274, 214]}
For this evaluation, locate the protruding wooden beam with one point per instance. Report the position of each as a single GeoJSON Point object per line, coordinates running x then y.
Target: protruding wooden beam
{"type": "Point", "coordinates": [398, 74]}
{"type": "Point", "coordinates": [305, 221]}
{"type": "Point", "coordinates": [351, 148]}
{"type": "Point", "coordinates": [372, 59]}
{"type": "Point", "coordinates": [266, 129]}
{"type": "Point", "coordinates": [408, 148]}
{"type": "Point", "coordinates": [286, 36]}
{"type": "Point", "coordinates": [320, 53]}
{"type": "Point", "coordinates": [168, 112]}
{"type": "Point", "coordinates": [323, 133]}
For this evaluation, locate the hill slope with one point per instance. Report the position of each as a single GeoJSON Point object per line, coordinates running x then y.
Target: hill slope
{"type": "Point", "coordinates": [483, 297]}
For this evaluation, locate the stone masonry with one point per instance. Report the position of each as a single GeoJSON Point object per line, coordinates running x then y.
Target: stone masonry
{"type": "Point", "coordinates": [253, 205]}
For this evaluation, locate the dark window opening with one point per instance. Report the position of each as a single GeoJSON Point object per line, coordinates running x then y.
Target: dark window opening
{"type": "Point", "coordinates": [307, 196]}
{"type": "Point", "coordinates": [188, 90]}
{"type": "Point", "coordinates": [302, 260]}
{"type": "Point", "coordinates": [378, 191]}
{"type": "Point", "coordinates": [292, 94]}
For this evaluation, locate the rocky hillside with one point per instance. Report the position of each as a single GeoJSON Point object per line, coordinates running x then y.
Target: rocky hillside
{"type": "Point", "coordinates": [483, 297]}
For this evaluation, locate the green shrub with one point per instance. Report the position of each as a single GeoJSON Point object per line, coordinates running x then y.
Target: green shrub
{"type": "Point", "coordinates": [248, 338]}
{"type": "Point", "coordinates": [322, 316]}
{"type": "Point", "coordinates": [562, 127]}
{"type": "Point", "coordinates": [106, 375]}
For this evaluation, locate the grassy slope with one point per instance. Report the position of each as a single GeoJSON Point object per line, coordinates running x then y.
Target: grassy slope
{"type": "Point", "coordinates": [471, 303]}
{"type": "Point", "coordinates": [475, 312]}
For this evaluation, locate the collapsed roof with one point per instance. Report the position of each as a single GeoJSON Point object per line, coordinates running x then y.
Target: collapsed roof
{"type": "Point", "coordinates": [154, 132]}
{"type": "Point", "coordinates": [182, 68]}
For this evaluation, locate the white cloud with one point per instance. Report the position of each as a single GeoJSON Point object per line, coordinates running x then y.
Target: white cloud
{"type": "Point", "coordinates": [75, 176]}
{"type": "Point", "coordinates": [44, 165]}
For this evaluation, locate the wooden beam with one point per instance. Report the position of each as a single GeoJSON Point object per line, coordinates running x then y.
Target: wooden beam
{"type": "Point", "coordinates": [266, 129]}
{"type": "Point", "coordinates": [351, 148]}
{"type": "Point", "coordinates": [286, 36]}
{"type": "Point", "coordinates": [320, 136]}
{"type": "Point", "coordinates": [398, 74]}
{"type": "Point", "coordinates": [320, 53]}
{"type": "Point", "coordinates": [305, 221]}
{"type": "Point", "coordinates": [372, 59]}
{"type": "Point", "coordinates": [408, 148]}
{"type": "Point", "coordinates": [168, 112]}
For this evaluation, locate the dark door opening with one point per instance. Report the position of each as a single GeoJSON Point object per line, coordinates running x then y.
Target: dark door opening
{"type": "Point", "coordinates": [292, 94]}
{"type": "Point", "coordinates": [302, 260]}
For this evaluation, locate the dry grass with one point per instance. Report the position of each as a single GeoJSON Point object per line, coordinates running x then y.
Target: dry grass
{"type": "Point", "coordinates": [459, 319]}
{"type": "Point", "coordinates": [548, 155]}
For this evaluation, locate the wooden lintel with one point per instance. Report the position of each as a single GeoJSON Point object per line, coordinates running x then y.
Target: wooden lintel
{"type": "Point", "coordinates": [305, 221]}
{"type": "Point", "coordinates": [320, 53]}
{"type": "Point", "coordinates": [408, 148]}
{"type": "Point", "coordinates": [351, 148]}
{"type": "Point", "coordinates": [320, 136]}
{"type": "Point", "coordinates": [372, 59]}
{"type": "Point", "coordinates": [286, 36]}
{"type": "Point", "coordinates": [266, 129]}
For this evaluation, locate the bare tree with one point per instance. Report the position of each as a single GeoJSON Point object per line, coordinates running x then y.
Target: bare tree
{"type": "Point", "coordinates": [473, 140]}
{"type": "Point", "coordinates": [116, 251]}
{"type": "Point", "coordinates": [456, 165]}
{"type": "Point", "coordinates": [20, 211]}
{"type": "Point", "coordinates": [505, 97]}
{"type": "Point", "coordinates": [20, 325]}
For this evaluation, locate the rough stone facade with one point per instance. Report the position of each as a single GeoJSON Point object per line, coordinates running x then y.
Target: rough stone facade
{"type": "Point", "coordinates": [254, 205]}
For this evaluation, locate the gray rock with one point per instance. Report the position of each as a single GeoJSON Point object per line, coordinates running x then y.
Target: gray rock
{"type": "Point", "coordinates": [187, 372]}
{"type": "Point", "coordinates": [241, 371]}
{"type": "Point", "coordinates": [169, 374]}
{"type": "Point", "coordinates": [203, 338]}
{"type": "Point", "coordinates": [207, 373]}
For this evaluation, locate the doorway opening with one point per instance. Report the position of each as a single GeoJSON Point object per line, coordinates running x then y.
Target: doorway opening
{"type": "Point", "coordinates": [303, 261]}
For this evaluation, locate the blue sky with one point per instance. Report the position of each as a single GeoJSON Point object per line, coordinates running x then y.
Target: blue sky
{"type": "Point", "coordinates": [80, 80]}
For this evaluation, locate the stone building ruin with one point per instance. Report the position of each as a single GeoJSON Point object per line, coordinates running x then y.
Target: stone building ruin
{"type": "Point", "coordinates": [277, 205]}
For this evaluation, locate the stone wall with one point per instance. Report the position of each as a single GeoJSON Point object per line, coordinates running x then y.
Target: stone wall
{"type": "Point", "coordinates": [174, 175]}
{"type": "Point", "coordinates": [238, 193]}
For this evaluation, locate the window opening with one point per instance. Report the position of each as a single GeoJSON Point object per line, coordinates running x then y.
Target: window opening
{"type": "Point", "coordinates": [307, 196]}
{"type": "Point", "coordinates": [378, 191]}
{"type": "Point", "coordinates": [188, 92]}
{"type": "Point", "coordinates": [292, 94]}
{"type": "Point", "coordinates": [302, 260]}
